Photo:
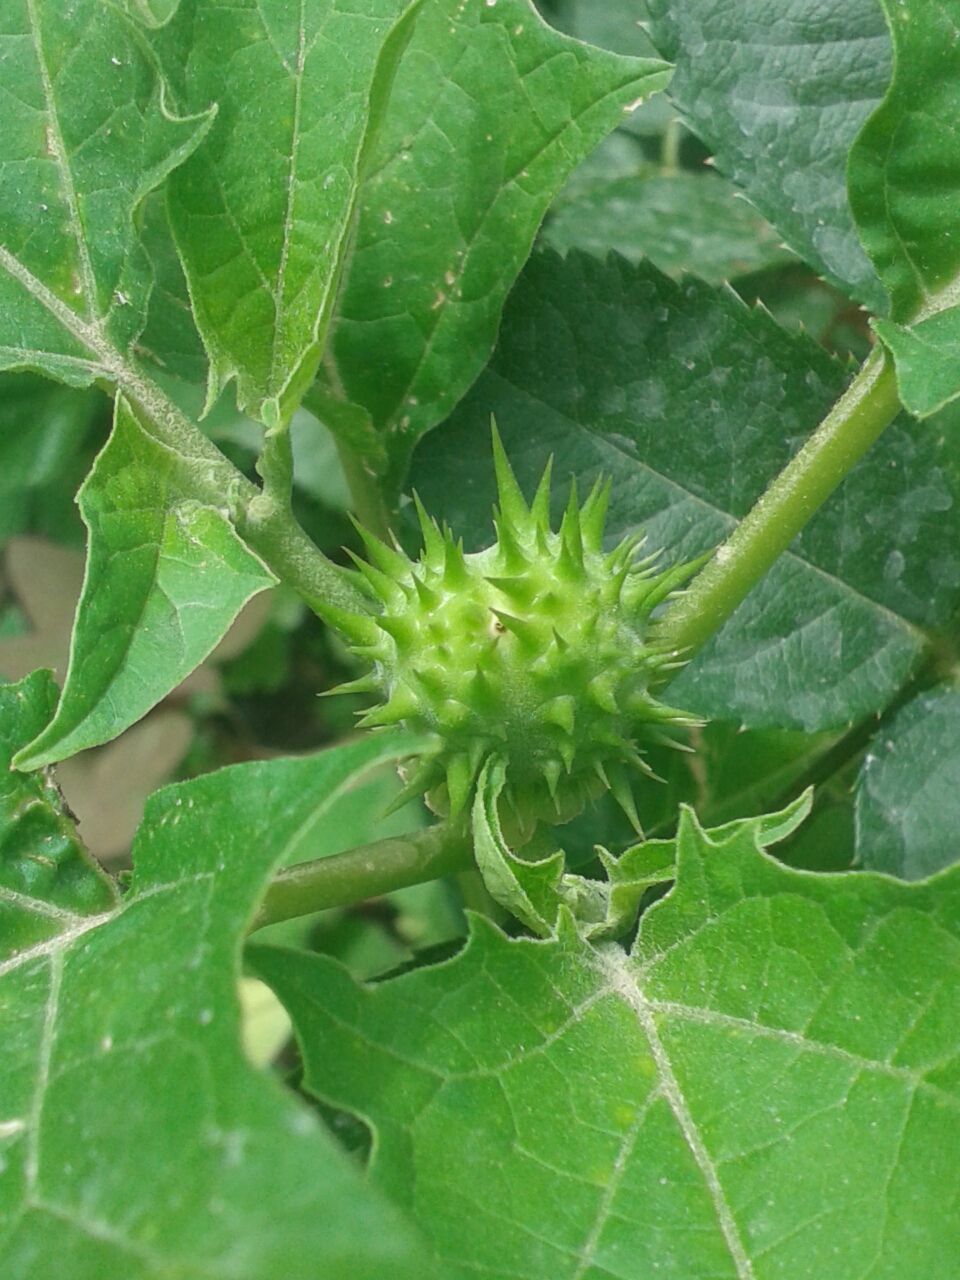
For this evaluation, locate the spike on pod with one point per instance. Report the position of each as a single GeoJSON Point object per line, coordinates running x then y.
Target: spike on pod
{"type": "Point", "coordinates": [534, 648]}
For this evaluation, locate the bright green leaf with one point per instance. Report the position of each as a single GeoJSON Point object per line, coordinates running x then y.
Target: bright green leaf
{"type": "Point", "coordinates": [766, 1089]}
{"type": "Point", "coordinates": [137, 1142]}
{"type": "Point", "coordinates": [927, 357]}
{"type": "Point", "coordinates": [682, 222]}
{"type": "Point", "coordinates": [48, 881]}
{"type": "Point", "coordinates": [904, 162]}
{"type": "Point", "coordinates": [908, 793]}
{"type": "Point", "coordinates": [491, 110]}
{"type": "Point", "coordinates": [779, 91]}
{"type": "Point", "coordinates": [528, 890]}
{"type": "Point", "coordinates": [87, 133]}
{"type": "Point", "coordinates": [262, 213]}
{"type": "Point", "coordinates": [166, 577]}
{"type": "Point", "coordinates": [692, 403]}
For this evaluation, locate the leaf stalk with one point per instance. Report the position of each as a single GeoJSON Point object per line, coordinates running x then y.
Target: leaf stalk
{"type": "Point", "coordinates": [854, 423]}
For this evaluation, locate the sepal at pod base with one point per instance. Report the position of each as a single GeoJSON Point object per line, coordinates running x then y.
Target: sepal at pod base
{"type": "Point", "coordinates": [532, 652]}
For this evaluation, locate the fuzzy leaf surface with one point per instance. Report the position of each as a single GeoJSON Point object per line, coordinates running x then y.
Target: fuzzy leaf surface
{"type": "Point", "coordinates": [780, 91]}
{"type": "Point", "coordinates": [491, 110]}
{"type": "Point", "coordinates": [692, 403]}
{"type": "Point", "coordinates": [87, 134]}
{"type": "Point", "coordinates": [166, 577]}
{"type": "Point", "coordinates": [904, 174]}
{"type": "Point", "coordinates": [262, 213]}
{"type": "Point", "coordinates": [765, 1089]}
{"type": "Point", "coordinates": [908, 792]}
{"type": "Point", "coordinates": [137, 1142]}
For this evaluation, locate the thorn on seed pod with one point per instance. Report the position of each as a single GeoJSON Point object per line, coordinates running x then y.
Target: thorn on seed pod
{"type": "Point", "coordinates": [533, 649]}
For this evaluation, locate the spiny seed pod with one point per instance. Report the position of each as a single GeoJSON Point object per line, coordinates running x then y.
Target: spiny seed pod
{"type": "Point", "coordinates": [532, 651]}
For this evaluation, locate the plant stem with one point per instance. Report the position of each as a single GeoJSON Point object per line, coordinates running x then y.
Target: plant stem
{"type": "Point", "coordinates": [368, 504]}
{"type": "Point", "coordinates": [275, 466]}
{"type": "Point", "coordinates": [264, 522]}
{"type": "Point", "coordinates": [670, 146]}
{"type": "Point", "coordinates": [853, 424]}
{"type": "Point", "coordinates": [365, 872]}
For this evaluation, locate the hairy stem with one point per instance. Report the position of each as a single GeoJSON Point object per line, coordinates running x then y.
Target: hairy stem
{"type": "Point", "coordinates": [365, 872]}
{"type": "Point", "coordinates": [853, 424]}
{"type": "Point", "coordinates": [264, 522]}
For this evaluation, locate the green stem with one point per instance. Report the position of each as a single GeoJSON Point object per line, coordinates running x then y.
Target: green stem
{"type": "Point", "coordinates": [857, 419]}
{"type": "Point", "coordinates": [266, 524]}
{"type": "Point", "coordinates": [368, 504]}
{"type": "Point", "coordinates": [275, 466]}
{"type": "Point", "coordinates": [366, 872]}
{"type": "Point", "coordinates": [670, 146]}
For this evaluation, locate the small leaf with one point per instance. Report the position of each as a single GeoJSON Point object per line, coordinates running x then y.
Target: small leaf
{"type": "Point", "coordinates": [490, 112]}
{"type": "Point", "coordinates": [766, 1087]}
{"type": "Point", "coordinates": [908, 792]}
{"type": "Point", "coordinates": [165, 579]}
{"type": "Point", "coordinates": [528, 890]}
{"type": "Point", "coordinates": [927, 356]}
{"type": "Point", "coordinates": [137, 1140]}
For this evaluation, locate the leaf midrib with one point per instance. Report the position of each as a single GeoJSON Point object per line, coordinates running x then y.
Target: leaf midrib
{"type": "Point", "coordinates": [621, 980]}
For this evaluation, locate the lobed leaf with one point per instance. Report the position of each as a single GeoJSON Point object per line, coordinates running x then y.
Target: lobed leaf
{"type": "Point", "coordinates": [779, 92]}
{"type": "Point", "coordinates": [766, 1087]}
{"type": "Point", "coordinates": [490, 112]}
{"type": "Point", "coordinates": [692, 403]}
{"type": "Point", "coordinates": [166, 576]}
{"type": "Point", "coordinates": [136, 1140]}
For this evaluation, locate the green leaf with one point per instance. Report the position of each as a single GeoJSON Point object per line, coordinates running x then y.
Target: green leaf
{"type": "Point", "coordinates": [490, 112]}
{"type": "Point", "coordinates": [169, 340]}
{"type": "Point", "coordinates": [166, 576]}
{"type": "Point", "coordinates": [262, 213]}
{"type": "Point", "coordinates": [137, 1141]}
{"type": "Point", "coordinates": [48, 881]}
{"type": "Point", "coordinates": [653, 862]}
{"type": "Point", "coordinates": [616, 24]}
{"type": "Point", "coordinates": [927, 356]}
{"type": "Point", "coordinates": [908, 792]}
{"type": "Point", "coordinates": [42, 429]}
{"type": "Point", "coordinates": [692, 403]}
{"type": "Point", "coordinates": [87, 134]}
{"type": "Point", "coordinates": [906, 158]}
{"type": "Point", "coordinates": [779, 91]}
{"type": "Point", "coordinates": [528, 890]}
{"type": "Point", "coordinates": [766, 1089]}
{"type": "Point", "coordinates": [682, 222]}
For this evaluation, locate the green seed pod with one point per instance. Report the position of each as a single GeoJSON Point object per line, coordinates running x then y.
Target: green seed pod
{"type": "Point", "coordinates": [532, 651]}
